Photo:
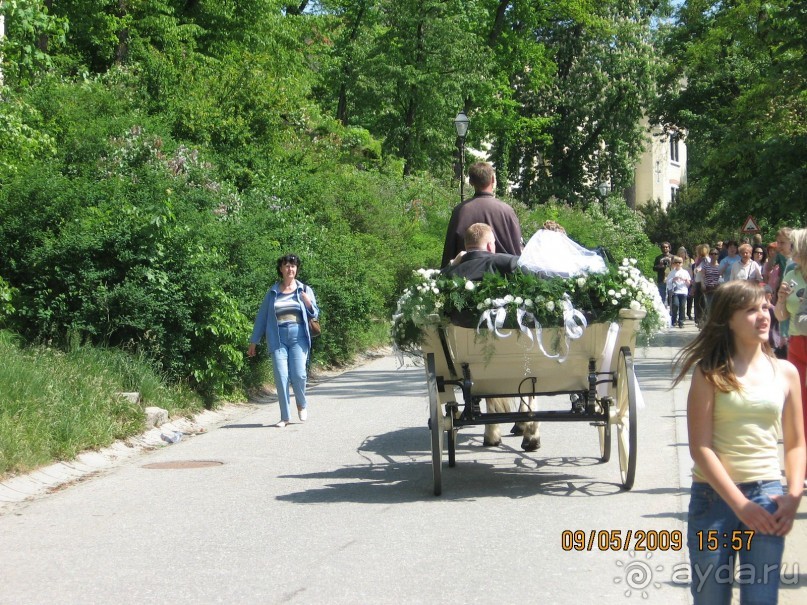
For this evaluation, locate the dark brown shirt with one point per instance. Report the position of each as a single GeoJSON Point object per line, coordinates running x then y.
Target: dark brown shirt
{"type": "Point", "coordinates": [483, 208]}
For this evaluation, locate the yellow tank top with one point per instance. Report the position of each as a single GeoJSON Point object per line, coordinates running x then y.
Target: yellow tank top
{"type": "Point", "coordinates": [747, 427]}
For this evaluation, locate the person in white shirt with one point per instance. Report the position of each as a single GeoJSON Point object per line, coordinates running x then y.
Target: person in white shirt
{"type": "Point", "coordinates": [678, 286]}
{"type": "Point", "coordinates": [746, 267]}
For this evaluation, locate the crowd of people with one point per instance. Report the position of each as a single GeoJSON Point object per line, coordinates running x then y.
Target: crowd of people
{"type": "Point", "coordinates": [687, 284]}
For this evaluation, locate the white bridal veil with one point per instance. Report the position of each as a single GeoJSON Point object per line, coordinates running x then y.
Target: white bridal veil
{"type": "Point", "coordinates": [553, 254]}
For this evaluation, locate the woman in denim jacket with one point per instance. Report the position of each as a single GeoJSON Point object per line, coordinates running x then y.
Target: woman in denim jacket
{"type": "Point", "coordinates": [283, 320]}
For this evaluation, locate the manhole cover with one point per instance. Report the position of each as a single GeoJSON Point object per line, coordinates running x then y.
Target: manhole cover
{"type": "Point", "coordinates": [183, 464]}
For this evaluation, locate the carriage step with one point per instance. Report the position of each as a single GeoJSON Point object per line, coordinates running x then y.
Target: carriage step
{"type": "Point", "coordinates": [598, 423]}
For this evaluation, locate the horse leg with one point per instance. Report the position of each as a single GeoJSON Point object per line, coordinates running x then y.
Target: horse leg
{"type": "Point", "coordinates": [532, 437]}
{"type": "Point", "coordinates": [493, 436]}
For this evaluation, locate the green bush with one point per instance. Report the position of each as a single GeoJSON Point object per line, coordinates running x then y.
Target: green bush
{"type": "Point", "coordinates": [121, 266]}
{"type": "Point", "coordinates": [6, 294]}
{"type": "Point", "coordinates": [132, 238]}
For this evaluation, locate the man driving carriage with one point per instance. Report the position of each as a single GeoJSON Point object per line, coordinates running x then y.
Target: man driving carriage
{"type": "Point", "coordinates": [480, 257]}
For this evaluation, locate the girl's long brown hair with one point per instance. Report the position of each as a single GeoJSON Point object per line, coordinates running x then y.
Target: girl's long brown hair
{"type": "Point", "coordinates": [713, 348]}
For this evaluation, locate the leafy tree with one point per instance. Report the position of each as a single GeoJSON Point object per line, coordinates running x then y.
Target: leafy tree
{"type": "Point", "coordinates": [743, 106]}
{"type": "Point", "coordinates": [578, 78]}
{"type": "Point", "coordinates": [31, 31]}
{"type": "Point", "coordinates": [401, 69]}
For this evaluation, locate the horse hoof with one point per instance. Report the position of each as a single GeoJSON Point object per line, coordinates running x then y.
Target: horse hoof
{"type": "Point", "coordinates": [487, 443]}
{"type": "Point", "coordinates": [517, 430]}
{"type": "Point", "coordinates": [530, 445]}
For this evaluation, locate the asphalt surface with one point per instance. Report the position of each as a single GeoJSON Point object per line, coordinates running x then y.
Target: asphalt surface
{"type": "Point", "coordinates": [341, 510]}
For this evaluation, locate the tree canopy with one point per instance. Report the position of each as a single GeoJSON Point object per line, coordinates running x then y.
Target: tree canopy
{"type": "Point", "coordinates": [737, 85]}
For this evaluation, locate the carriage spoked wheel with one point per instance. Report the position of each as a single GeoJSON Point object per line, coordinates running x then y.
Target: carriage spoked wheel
{"type": "Point", "coordinates": [451, 433]}
{"type": "Point", "coordinates": [625, 417]}
{"type": "Point", "coordinates": [604, 433]}
{"type": "Point", "coordinates": [435, 424]}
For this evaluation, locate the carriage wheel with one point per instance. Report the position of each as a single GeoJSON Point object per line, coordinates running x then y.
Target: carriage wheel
{"type": "Point", "coordinates": [604, 433]}
{"type": "Point", "coordinates": [626, 417]}
{"type": "Point", "coordinates": [435, 424]}
{"type": "Point", "coordinates": [451, 433]}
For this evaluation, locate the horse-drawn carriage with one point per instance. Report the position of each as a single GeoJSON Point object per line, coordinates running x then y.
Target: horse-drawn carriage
{"type": "Point", "coordinates": [596, 371]}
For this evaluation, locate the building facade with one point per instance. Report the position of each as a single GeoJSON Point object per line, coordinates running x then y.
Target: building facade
{"type": "Point", "coordinates": [661, 171]}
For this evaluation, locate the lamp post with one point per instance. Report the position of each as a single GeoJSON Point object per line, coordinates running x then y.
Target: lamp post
{"type": "Point", "coordinates": [461, 123]}
{"type": "Point", "coordinates": [605, 189]}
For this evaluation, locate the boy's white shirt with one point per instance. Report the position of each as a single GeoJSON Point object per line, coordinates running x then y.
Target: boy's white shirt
{"type": "Point", "coordinates": [678, 281]}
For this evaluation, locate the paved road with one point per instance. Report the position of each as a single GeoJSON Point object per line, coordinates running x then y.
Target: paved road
{"type": "Point", "coordinates": [340, 510]}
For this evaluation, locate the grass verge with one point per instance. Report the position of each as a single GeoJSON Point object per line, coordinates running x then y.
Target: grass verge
{"type": "Point", "coordinates": [54, 405]}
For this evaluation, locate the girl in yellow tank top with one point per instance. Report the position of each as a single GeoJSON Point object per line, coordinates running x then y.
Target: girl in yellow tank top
{"type": "Point", "coordinates": [741, 400]}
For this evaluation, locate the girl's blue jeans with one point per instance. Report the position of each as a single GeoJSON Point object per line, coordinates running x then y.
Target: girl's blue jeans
{"type": "Point", "coordinates": [289, 364]}
{"type": "Point", "coordinates": [714, 572]}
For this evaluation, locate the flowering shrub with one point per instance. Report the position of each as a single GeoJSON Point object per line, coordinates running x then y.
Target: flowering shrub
{"type": "Point", "coordinates": [505, 301]}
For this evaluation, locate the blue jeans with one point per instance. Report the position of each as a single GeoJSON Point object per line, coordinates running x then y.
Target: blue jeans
{"type": "Point", "coordinates": [289, 363]}
{"type": "Point", "coordinates": [678, 307]}
{"type": "Point", "coordinates": [713, 571]}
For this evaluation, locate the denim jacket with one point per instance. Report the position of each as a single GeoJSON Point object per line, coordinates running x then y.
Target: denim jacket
{"type": "Point", "coordinates": [266, 320]}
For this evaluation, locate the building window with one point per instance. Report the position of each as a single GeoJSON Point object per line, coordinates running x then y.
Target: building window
{"type": "Point", "coordinates": [674, 148]}
{"type": "Point", "coordinates": [673, 195]}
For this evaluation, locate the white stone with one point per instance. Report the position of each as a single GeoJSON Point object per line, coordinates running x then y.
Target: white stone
{"type": "Point", "coordinates": [155, 416]}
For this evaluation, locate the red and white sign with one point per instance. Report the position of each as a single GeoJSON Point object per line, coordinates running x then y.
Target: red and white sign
{"type": "Point", "coordinates": [750, 225]}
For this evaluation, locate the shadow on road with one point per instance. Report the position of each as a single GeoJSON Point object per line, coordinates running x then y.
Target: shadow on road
{"type": "Point", "coordinates": [373, 384]}
{"type": "Point", "coordinates": [515, 474]}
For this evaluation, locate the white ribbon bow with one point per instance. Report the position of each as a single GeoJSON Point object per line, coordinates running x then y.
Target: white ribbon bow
{"type": "Point", "coordinates": [574, 321]}
{"type": "Point", "coordinates": [574, 325]}
{"type": "Point", "coordinates": [494, 318]}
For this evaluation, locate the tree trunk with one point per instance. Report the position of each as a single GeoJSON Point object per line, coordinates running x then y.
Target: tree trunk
{"type": "Point", "coordinates": [411, 109]}
{"type": "Point", "coordinates": [296, 9]}
{"type": "Point", "coordinates": [347, 68]}
{"type": "Point", "coordinates": [122, 51]}
{"type": "Point", "coordinates": [498, 22]}
{"type": "Point", "coordinates": [44, 40]}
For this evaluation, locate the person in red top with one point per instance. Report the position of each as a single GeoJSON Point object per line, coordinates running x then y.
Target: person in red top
{"type": "Point", "coordinates": [484, 207]}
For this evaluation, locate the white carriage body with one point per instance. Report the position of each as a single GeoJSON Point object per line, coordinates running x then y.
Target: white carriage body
{"type": "Point", "coordinates": [499, 365]}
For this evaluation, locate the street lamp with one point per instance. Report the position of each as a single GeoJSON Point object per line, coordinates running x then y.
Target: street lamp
{"type": "Point", "coordinates": [605, 189]}
{"type": "Point", "coordinates": [461, 123]}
